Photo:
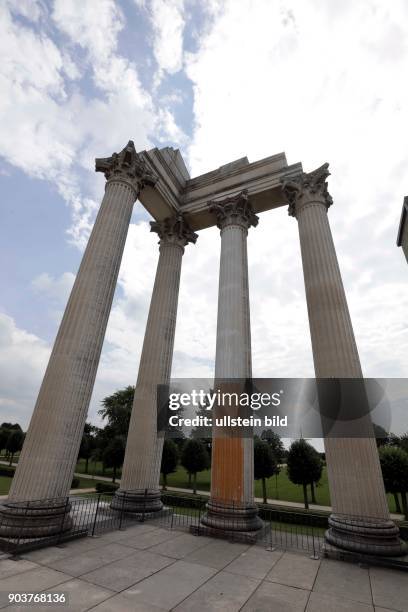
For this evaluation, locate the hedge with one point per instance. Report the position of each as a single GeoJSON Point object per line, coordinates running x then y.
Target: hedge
{"type": "Point", "coordinates": [106, 487]}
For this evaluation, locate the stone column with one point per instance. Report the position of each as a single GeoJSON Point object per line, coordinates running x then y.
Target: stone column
{"type": "Point", "coordinates": [231, 507]}
{"type": "Point", "coordinates": [360, 520]}
{"type": "Point", "coordinates": [139, 485]}
{"type": "Point", "coordinates": [47, 462]}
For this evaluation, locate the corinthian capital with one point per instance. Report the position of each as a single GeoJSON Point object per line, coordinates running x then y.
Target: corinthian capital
{"type": "Point", "coordinates": [308, 187]}
{"type": "Point", "coordinates": [174, 230]}
{"type": "Point", "coordinates": [234, 210]}
{"type": "Point", "coordinates": [128, 166]}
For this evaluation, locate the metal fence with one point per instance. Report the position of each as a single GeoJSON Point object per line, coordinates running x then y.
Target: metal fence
{"type": "Point", "coordinates": [92, 514]}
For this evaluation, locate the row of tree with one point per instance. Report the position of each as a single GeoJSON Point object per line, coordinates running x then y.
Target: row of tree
{"type": "Point", "coordinates": [303, 463]}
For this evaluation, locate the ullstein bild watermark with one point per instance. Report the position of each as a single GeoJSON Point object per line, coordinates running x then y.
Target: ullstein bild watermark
{"type": "Point", "coordinates": [301, 407]}
{"type": "Point", "coordinates": [224, 399]}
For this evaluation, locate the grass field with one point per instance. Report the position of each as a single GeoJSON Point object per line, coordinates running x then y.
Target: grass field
{"type": "Point", "coordinates": [278, 487]}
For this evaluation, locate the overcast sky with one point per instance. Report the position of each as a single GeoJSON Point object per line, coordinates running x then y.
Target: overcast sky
{"type": "Point", "coordinates": [321, 80]}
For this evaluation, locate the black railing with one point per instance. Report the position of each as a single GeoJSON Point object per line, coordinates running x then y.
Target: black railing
{"type": "Point", "coordinates": [92, 514]}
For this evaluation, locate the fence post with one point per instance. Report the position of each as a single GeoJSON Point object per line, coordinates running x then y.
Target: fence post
{"type": "Point", "coordinates": [200, 505]}
{"type": "Point", "coordinates": [122, 511]}
{"type": "Point", "coordinates": [63, 519]}
{"type": "Point", "coordinates": [315, 556]}
{"type": "Point", "coordinates": [96, 515]}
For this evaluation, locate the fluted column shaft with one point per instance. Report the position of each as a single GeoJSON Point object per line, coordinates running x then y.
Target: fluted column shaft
{"type": "Point", "coordinates": [231, 507]}
{"type": "Point", "coordinates": [232, 457]}
{"type": "Point", "coordinates": [47, 461]}
{"type": "Point", "coordinates": [141, 467]}
{"type": "Point", "coordinates": [50, 451]}
{"type": "Point", "coordinates": [354, 473]}
{"type": "Point", "coordinates": [353, 491]}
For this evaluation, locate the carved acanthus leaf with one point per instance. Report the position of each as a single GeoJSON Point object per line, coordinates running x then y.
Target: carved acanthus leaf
{"type": "Point", "coordinates": [174, 229]}
{"type": "Point", "coordinates": [234, 209]}
{"type": "Point", "coordinates": [128, 165]}
{"type": "Point", "coordinates": [308, 183]}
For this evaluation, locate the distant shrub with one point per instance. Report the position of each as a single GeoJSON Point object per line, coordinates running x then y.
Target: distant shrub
{"type": "Point", "coordinates": [106, 487]}
{"type": "Point", "coordinates": [7, 471]}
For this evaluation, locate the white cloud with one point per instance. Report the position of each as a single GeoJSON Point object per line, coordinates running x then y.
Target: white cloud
{"type": "Point", "coordinates": [94, 24]}
{"type": "Point", "coordinates": [168, 22]}
{"type": "Point", "coordinates": [32, 10]}
{"type": "Point", "coordinates": [23, 357]}
{"type": "Point", "coordinates": [51, 128]}
{"type": "Point", "coordinates": [54, 288]}
{"type": "Point", "coordinates": [320, 81]}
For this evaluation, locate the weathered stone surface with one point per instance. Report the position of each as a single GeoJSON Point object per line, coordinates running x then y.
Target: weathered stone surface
{"type": "Point", "coordinates": [231, 507]}
{"type": "Point", "coordinates": [50, 451]}
{"type": "Point", "coordinates": [139, 487]}
{"type": "Point", "coordinates": [355, 480]}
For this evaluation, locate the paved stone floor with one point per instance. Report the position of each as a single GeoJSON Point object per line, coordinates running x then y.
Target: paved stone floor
{"type": "Point", "coordinates": [149, 569]}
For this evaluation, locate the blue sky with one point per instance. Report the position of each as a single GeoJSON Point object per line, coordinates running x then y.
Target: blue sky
{"type": "Point", "coordinates": [322, 81]}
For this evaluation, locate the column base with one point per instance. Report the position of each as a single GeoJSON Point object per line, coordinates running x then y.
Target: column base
{"type": "Point", "coordinates": [237, 521]}
{"type": "Point", "coordinates": [369, 536]}
{"type": "Point", "coordinates": [140, 501]}
{"type": "Point", "coordinates": [36, 519]}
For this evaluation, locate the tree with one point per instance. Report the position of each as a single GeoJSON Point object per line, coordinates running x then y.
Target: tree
{"type": "Point", "coordinates": [195, 458]}
{"type": "Point", "coordinates": [274, 441]}
{"type": "Point", "coordinates": [265, 464]}
{"type": "Point", "coordinates": [403, 442]}
{"type": "Point", "coordinates": [204, 433]}
{"type": "Point", "coordinates": [114, 454]}
{"type": "Point", "coordinates": [394, 467]}
{"type": "Point", "coordinates": [301, 465]}
{"type": "Point", "coordinates": [315, 474]}
{"type": "Point", "coordinates": [117, 409]}
{"type": "Point", "coordinates": [4, 435]}
{"type": "Point", "coordinates": [169, 460]}
{"type": "Point", "coordinates": [14, 442]}
{"type": "Point", "coordinates": [87, 444]}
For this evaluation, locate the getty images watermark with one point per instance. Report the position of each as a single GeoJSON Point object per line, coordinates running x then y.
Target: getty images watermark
{"type": "Point", "coordinates": [291, 407]}
{"type": "Point", "coordinates": [208, 401]}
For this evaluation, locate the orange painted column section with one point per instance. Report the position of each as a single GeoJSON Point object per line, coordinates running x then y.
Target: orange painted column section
{"type": "Point", "coordinates": [227, 471]}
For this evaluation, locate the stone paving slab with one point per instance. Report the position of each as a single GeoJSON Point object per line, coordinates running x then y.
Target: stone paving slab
{"type": "Point", "coordinates": [92, 559]}
{"type": "Point", "coordinates": [126, 533]}
{"type": "Point", "coordinates": [68, 549]}
{"type": "Point", "coordinates": [344, 580]}
{"type": "Point", "coordinates": [126, 572]}
{"type": "Point", "coordinates": [150, 569]}
{"type": "Point", "coordinates": [150, 538]}
{"type": "Point", "coordinates": [271, 597]}
{"type": "Point", "coordinates": [34, 580]}
{"type": "Point", "coordinates": [11, 567]}
{"type": "Point", "coordinates": [81, 597]}
{"type": "Point", "coordinates": [180, 547]}
{"type": "Point", "coordinates": [226, 592]}
{"type": "Point", "coordinates": [254, 563]}
{"type": "Point", "coordinates": [217, 554]}
{"type": "Point", "coordinates": [294, 570]}
{"type": "Point", "coordinates": [169, 587]}
{"type": "Point", "coordinates": [121, 603]}
{"type": "Point", "coordinates": [319, 602]}
{"type": "Point", "coordinates": [389, 588]}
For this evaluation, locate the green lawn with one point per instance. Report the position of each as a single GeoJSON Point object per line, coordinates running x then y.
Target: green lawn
{"type": "Point", "coordinates": [5, 483]}
{"type": "Point", "coordinates": [278, 487]}
{"type": "Point", "coordinates": [95, 469]}
{"type": "Point", "coordinates": [84, 483]}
